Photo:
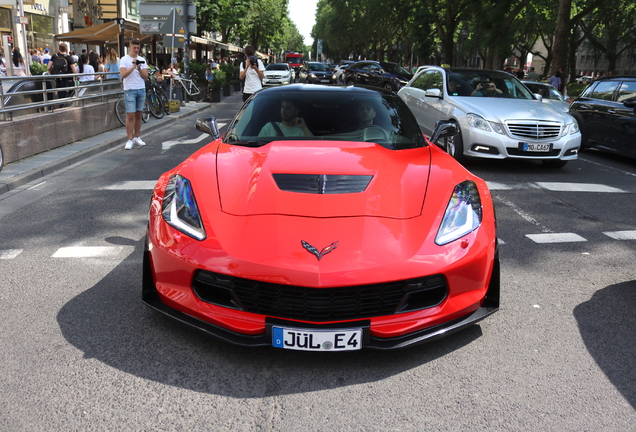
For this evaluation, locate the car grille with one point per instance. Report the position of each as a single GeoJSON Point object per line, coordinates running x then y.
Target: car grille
{"type": "Point", "coordinates": [535, 130]}
{"type": "Point", "coordinates": [322, 183]}
{"type": "Point", "coordinates": [319, 304]}
{"type": "Point", "coordinates": [274, 76]}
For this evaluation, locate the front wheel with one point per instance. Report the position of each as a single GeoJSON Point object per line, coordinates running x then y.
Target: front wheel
{"type": "Point", "coordinates": [454, 146]}
{"type": "Point", "coordinates": [197, 94]}
{"type": "Point", "coordinates": [145, 114]}
{"type": "Point", "coordinates": [156, 108]}
{"type": "Point", "coordinates": [387, 85]}
{"type": "Point", "coordinates": [120, 111]}
{"type": "Point", "coordinates": [1, 158]}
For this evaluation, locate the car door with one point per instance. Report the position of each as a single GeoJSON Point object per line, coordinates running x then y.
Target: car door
{"type": "Point", "coordinates": [413, 94]}
{"type": "Point", "coordinates": [594, 108]}
{"type": "Point", "coordinates": [362, 74]}
{"type": "Point", "coordinates": [625, 119]}
{"type": "Point", "coordinates": [433, 108]}
{"type": "Point", "coordinates": [375, 75]}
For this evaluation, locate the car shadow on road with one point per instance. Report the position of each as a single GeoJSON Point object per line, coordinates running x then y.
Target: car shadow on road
{"type": "Point", "coordinates": [108, 322]}
{"type": "Point", "coordinates": [607, 323]}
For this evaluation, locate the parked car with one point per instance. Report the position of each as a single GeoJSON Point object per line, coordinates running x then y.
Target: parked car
{"type": "Point", "coordinates": [369, 72]}
{"type": "Point", "coordinates": [340, 70]}
{"type": "Point", "coordinates": [498, 117]}
{"type": "Point", "coordinates": [278, 73]}
{"type": "Point", "coordinates": [359, 235]}
{"type": "Point", "coordinates": [316, 73]}
{"type": "Point", "coordinates": [549, 94]}
{"type": "Point", "coordinates": [584, 79]}
{"type": "Point", "coordinates": [606, 114]}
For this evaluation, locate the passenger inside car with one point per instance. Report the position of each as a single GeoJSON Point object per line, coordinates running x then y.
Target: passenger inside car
{"type": "Point", "coordinates": [290, 125]}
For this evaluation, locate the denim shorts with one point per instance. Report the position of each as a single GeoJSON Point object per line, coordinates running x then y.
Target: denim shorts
{"type": "Point", "coordinates": [134, 100]}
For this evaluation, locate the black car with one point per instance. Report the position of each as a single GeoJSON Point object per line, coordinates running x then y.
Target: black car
{"type": "Point", "coordinates": [316, 73]}
{"type": "Point", "coordinates": [390, 76]}
{"type": "Point", "coordinates": [606, 112]}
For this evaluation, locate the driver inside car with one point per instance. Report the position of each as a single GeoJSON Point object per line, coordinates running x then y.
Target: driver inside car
{"type": "Point", "coordinates": [365, 114]}
{"type": "Point", "coordinates": [291, 124]}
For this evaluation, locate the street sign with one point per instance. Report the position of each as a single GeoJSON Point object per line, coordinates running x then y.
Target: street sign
{"type": "Point", "coordinates": [21, 20]}
{"type": "Point", "coordinates": [174, 31]}
{"type": "Point", "coordinates": [154, 14]}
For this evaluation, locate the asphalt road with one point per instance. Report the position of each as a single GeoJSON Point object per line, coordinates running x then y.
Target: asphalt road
{"type": "Point", "coordinates": [81, 352]}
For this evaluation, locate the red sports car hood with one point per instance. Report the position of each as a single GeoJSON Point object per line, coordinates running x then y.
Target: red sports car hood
{"type": "Point", "coordinates": [322, 179]}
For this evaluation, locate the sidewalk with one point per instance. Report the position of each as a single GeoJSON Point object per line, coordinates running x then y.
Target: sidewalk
{"type": "Point", "coordinates": [26, 170]}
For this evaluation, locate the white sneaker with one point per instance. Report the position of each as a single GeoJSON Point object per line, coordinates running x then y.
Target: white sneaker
{"type": "Point", "coordinates": [129, 145]}
{"type": "Point", "coordinates": [138, 141]}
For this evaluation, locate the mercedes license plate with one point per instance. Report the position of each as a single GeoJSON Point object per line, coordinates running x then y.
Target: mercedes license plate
{"type": "Point", "coordinates": [535, 147]}
{"type": "Point", "coordinates": [317, 340]}
{"type": "Point", "coordinates": [324, 80]}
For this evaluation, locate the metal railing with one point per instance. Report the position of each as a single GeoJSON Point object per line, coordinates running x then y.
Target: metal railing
{"type": "Point", "coordinates": [40, 94]}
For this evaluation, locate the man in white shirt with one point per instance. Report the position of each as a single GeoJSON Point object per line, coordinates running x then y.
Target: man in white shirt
{"type": "Point", "coordinates": [253, 72]}
{"type": "Point", "coordinates": [46, 58]}
{"type": "Point", "coordinates": [133, 70]}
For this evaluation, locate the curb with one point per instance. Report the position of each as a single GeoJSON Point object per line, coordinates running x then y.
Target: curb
{"type": "Point", "coordinates": [12, 182]}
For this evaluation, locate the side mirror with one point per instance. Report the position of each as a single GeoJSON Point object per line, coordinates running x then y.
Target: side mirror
{"type": "Point", "coordinates": [443, 129]}
{"type": "Point", "coordinates": [539, 97]}
{"type": "Point", "coordinates": [630, 103]}
{"type": "Point", "coordinates": [436, 93]}
{"type": "Point", "coordinates": [208, 125]}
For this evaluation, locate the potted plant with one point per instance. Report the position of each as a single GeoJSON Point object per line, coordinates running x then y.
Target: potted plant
{"type": "Point", "coordinates": [232, 75]}
{"type": "Point", "coordinates": [216, 86]}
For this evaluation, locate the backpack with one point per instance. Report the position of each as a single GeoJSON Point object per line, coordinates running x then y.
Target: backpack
{"type": "Point", "coordinates": [60, 65]}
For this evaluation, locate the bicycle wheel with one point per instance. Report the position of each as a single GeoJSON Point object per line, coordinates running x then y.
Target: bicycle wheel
{"type": "Point", "coordinates": [197, 94]}
{"type": "Point", "coordinates": [145, 115]}
{"type": "Point", "coordinates": [164, 101]}
{"type": "Point", "coordinates": [120, 111]}
{"type": "Point", "coordinates": [156, 109]}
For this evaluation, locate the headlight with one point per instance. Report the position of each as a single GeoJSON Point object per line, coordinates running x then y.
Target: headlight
{"type": "Point", "coordinates": [574, 128]}
{"type": "Point", "coordinates": [333, 77]}
{"type": "Point", "coordinates": [497, 128]}
{"type": "Point", "coordinates": [312, 75]}
{"type": "Point", "coordinates": [478, 122]}
{"type": "Point", "coordinates": [463, 213]}
{"type": "Point", "coordinates": [179, 208]}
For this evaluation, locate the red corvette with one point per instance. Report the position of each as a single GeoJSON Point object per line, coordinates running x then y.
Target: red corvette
{"type": "Point", "coordinates": [323, 220]}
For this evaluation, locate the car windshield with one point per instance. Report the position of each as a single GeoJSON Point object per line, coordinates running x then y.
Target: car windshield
{"type": "Point", "coordinates": [487, 84]}
{"type": "Point", "coordinates": [547, 91]}
{"type": "Point", "coordinates": [339, 115]}
{"type": "Point", "coordinates": [277, 66]}
{"type": "Point", "coordinates": [319, 67]}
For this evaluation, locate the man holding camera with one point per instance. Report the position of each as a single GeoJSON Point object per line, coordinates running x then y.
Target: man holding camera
{"type": "Point", "coordinates": [134, 72]}
{"type": "Point", "coordinates": [252, 71]}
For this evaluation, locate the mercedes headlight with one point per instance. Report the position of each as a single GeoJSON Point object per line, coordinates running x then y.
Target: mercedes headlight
{"type": "Point", "coordinates": [463, 213]}
{"type": "Point", "coordinates": [179, 208]}
{"type": "Point", "coordinates": [478, 122]}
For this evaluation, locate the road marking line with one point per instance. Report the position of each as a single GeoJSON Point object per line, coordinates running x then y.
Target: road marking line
{"type": "Point", "coordinates": [10, 253]}
{"type": "Point", "coordinates": [578, 187]}
{"type": "Point", "coordinates": [132, 185]}
{"type": "Point", "coordinates": [556, 238]}
{"type": "Point", "coordinates": [87, 251]}
{"type": "Point", "coordinates": [621, 235]}
{"type": "Point", "coordinates": [166, 145]}
{"type": "Point", "coordinates": [523, 214]}
{"type": "Point", "coordinates": [607, 166]}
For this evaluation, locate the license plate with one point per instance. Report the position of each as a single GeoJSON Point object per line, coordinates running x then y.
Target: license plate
{"type": "Point", "coordinates": [533, 147]}
{"type": "Point", "coordinates": [324, 80]}
{"type": "Point", "coordinates": [316, 340]}
{"type": "Point", "coordinates": [272, 82]}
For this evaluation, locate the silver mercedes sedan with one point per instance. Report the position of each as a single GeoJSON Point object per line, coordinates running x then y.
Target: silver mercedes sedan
{"type": "Point", "coordinates": [497, 116]}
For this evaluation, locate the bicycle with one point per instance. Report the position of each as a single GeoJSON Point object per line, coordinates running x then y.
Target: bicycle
{"type": "Point", "coordinates": [120, 110]}
{"type": "Point", "coordinates": [156, 98]}
{"type": "Point", "coordinates": [189, 87]}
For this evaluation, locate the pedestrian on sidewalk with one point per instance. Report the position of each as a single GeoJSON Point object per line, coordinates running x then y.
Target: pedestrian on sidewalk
{"type": "Point", "coordinates": [134, 73]}
{"type": "Point", "coordinates": [252, 71]}
{"type": "Point", "coordinates": [59, 64]}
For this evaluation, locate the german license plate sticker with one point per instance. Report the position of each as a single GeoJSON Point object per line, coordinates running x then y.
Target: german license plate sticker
{"type": "Point", "coordinates": [536, 147]}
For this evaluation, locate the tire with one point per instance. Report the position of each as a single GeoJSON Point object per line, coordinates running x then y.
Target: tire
{"type": "Point", "coordinates": [164, 101]}
{"type": "Point", "coordinates": [454, 146]}
{"type": "Point", "coordinates": [120, 111]}
{"type": "Point", "coordinates": [388, 86]}
{"type": "Point", "coordinates": [1, 159]}
{"type": "Point", "coordinates": [197, 93]}
{"type": "Point", "coordinates": [145, 115]}
{"type": "Point", "coordinates": [156, 108]}
{"type": "Point", "coordinates": [554, 163]}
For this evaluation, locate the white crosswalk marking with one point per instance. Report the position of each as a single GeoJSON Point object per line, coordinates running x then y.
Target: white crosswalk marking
{"type": "Point", "coordinates": [10, 253]}
{"type": "Point", "coordinates": [556, 238]}
{"type": "Point", "coordinates": [556, 187]}
{"type": "Point", "coordinates": [132, 185]}
{"type": "Point", "coordinates": [87, 251]}
{"type": "Point", "coordinates": [621, 235]}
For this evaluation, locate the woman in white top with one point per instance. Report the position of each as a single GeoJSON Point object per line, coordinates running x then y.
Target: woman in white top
{"type": "Point", "coordinates": [85, 68]}
{"type": "Point", "coordinates": [19, 65]}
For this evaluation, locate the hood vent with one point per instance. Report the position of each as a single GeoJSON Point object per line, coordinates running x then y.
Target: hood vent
{"type": "Point", "coordinates": [322, 183]}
